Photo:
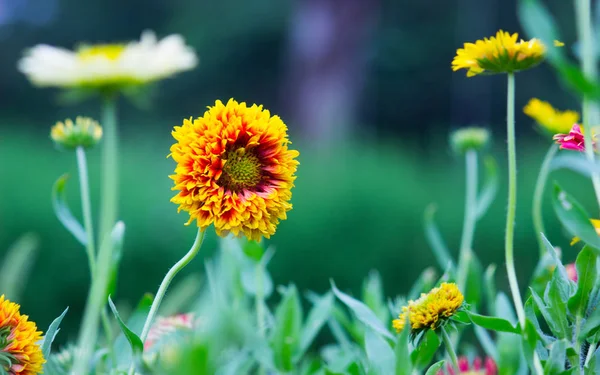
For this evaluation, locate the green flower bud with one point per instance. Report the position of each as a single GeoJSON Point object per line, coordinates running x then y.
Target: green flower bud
{"type": "Point", "coordinates": [69, 135]}
{"type": "Point", "coordinates": [471, 138]}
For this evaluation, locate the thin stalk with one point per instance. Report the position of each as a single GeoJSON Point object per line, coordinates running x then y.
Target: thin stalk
{"type": "Point", "coordinates": [259, 301]}
{"type": "Point", "coordinates": [470, 218]}
{"type": "Point", "coordinates": [512, 201]}
{"type": "Point", "coordinates": [97, 297]}
{"type": "Point", "coordinates": [450, 349]}
{"type": "Point", "coordinates": [590, 111]}
{"type": "Point", "coordinates": [164, 285]}
{"type": "Point", "coordinates": [86, 207]}
{"type": "Point", "coordinates": [540, 185]}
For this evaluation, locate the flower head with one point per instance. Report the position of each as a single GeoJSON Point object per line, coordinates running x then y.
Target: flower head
{"type": "Point", "coordinates": [108, 65]}
{"type": "Point", "coordinates": [499, 54]}
{"type": "Point", "coordinates": [572, 272]}
{"type": "Point", "coordinates": [595, 224]}
{"type": "Point", "coordinates": [431, 310]}
{"type": "Point", "coordinates": [19, 352]}
{"type": "Point", "coordinates": [471, 138]}
{"type": "Point", "coordinates": [165, 326]}
{"type": "Point", "coordinates": [477, 367]}
{"type": "Point", "coordinates": [234, 169]}
{"type": "Point", "coordinates": [550, 119]}
{"type": "Point", "coordinates": [69, 135]}
{"type": "Point", "coordinates": [574, 140]}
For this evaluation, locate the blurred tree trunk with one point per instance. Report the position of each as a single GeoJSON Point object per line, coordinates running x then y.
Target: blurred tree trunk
{"type": "Point", "coordinates": [472, 98]}
{"type": "Point", "coordinates": [326, 62]}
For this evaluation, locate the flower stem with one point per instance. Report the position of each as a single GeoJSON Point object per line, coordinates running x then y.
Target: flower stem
{"type": "Point", "coordinates": [164, 285]}
{"type": "Point", "coordinates": [590, 110]}
{"type": "Point", "coordinates": [512, 201]}
{"type": "Point", "coordinates": [86, 207]}
{"type": "Point", "coordinates": [470, 218]}
{"type": "Point", "coordinates": [450, 349]}
{"type": "Point", "coordinates": [97, 297]}
{"type": "Point", "coordinates": [540, 185]}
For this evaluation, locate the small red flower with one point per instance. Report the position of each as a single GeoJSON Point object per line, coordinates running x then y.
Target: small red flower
{"type": "Point", "coordinates": [572, 271]}
{"type": "Point", "coordinates": [572, 141]}
{"type": "Point", "coordinates": [478, 367]}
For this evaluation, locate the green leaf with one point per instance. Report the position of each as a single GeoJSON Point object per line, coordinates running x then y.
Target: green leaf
{"type": "Point", "coordinates": [121, 347]}
{"type": "Point", "coordinates": [402, 350]}
{"type": "Point", "coordinates": [490, 288]}
{"type": "Point", "coordinates": [488, 345]}
{"type": "Point", "coordinates": [530, 340]}
{"type": "Point", "coordinates": [593, 367]}
{"type": "Point", "coordinates": [253, 250]}
{"type": "Point", "coordinates": [116, 235]}
{"type": "Point", "coordinates": [424, 282]}
{"type": "Point", "coordinates": [286, 332]}
{"type": "Point", "coordinates": [474, 278]}
{"type": "Point", "coordinates": [574, 218]}
{"type": "Point", "coordinates": [557, 324]}
{"type": "Point", "coordinates": [587, 275]}
{"type": "Point", "coordinates": [590, 325]}
{"type": "Point", "coordinates": [435, 240]}
{"type": "Point", "coordinates": [493, 323]}
{"type": "Point", "coordinates": [555, 364]}
{"type": "Point", "coordinates": [317, 317]}
{"type": "Point", "coordinates": [565, 284]}
{"type": "Point", "coordinates": [362, 312]}
{"type": "Point", "coordinates": [373, 296]}
{"type": "Point", "coordinates": [51, 333]}
{"type": "Point", "coordinates": [425, 351]}
{"type": "Point", "coordinates": [539, 23]}
{"type": "Point", "coordinates": [435, 368]}
{"type": "Point", "coordinates": [490, 187]}
{"type": "Point", "coordinates": [134, 340]}
{"type": "Point", "coordinates": [379, 353]}
{"type": "Point", "coordinates": [575, 162]}
{"type": "Point", "coordinates": [16, 266]}
{"type": "Point", "coordinates": [556, 299]}
{"type": "Point", "coordinates": [62, 211]}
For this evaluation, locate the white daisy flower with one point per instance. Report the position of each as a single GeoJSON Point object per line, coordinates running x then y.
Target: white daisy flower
{"type": "Point", "coordinates": [108, 65]}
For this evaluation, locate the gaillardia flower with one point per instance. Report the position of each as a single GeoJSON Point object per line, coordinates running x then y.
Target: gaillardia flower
{"type": "Point", "coordinates": [470, 138]}
{"type": "Point", "coordinates": [431, 310]}
{"type": "Point", "coordinates": [550, 119]}
{"type": "Point", "coordinates": [108, 65]}
{"type": "Point", "coordinates": [234, 169]}
{"type": "Point", "coordinates": [19, 352]}
{"type": "Point", "coordinates": [165, 326]}
{"type": "Point", "coordinates": [574, 140]}
{"type": "Point", "coordinates": [499, 54]}
{"type": "Point", "coordinates": [477, 367]}
{"type": "Point", "coordinates": [69, 135]}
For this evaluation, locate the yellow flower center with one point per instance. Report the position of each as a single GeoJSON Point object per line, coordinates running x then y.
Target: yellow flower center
{"type": "Point", "coordinates": [108, 51]}
{"type": "Point", "coordinates": [242, 170]}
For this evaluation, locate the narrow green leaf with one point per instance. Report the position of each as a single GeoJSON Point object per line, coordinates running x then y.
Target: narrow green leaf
{"type": "Point", "coordinates": [134, 340]}
{"type": "Point", "coordinates": [16, 266]}
{"type": "Point", "coordinates": [590, 325]}
{"type": "Point", "coordinates": [555, 326]}
{"type": "Point", "coordinates": [373, 296]}
{"type": "Point", "coordinates": [117, 235]}
{"type": "Point", "coordinates": [474, 278]}
{"type": "Point", "coordinates": [121, 347]}
{"type": "Point", "coordinates": [576, 163]}
{"type": "Point", "coordinates": [490, 187]}
{"type": "Point", "coordinates": [435, 368]}
{"type": "Point", "coordinates": [62, 211]}
{"type": "Point", "coordinates": [379, 353]}
{"type": "Point", "coordinates": [435, 240]}
{"type": "Point", "coordinates": [493, 323]}
{"type": "Point", "coordinates": [556, 300]}
{"type": "Point", "coordinates": [425, 351]}
{"type": "Point", "coordinates": [362, 312]}
{"type": "Point", "coordinates": [587, 275]}
{"type": "Point", "coordinates": [530, 340]}
{"type": "Point", "coordinates": [490, 288]}
{"type": "Point", "coordinates": [565, 284]}
{"type": "Point", "coordinates": [402, 350]}
{"type": "Point", "coordinates": [51, 333]}
{"type": "Point", "coordinates": [253, 250]}
{"type": "Point", "coordinates": [285, 334]}
{"type": "Point", "coordinates": [317, 317]}
{"type": "Point", "coordinates": [488, 345]}
{"type": "Point", "coordinates": [574, 218]}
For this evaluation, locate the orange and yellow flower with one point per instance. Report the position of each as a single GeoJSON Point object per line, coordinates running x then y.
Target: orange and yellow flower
{"type": "Point", "coordinates": [550, 119]}
{"type": "Point", "coordinates": [234, 169]}
{"type": "Point", "coordinates": [431, 310]}
{"type": "Point", "coordinates": [499, 54]}
{"type": "Point", "coordinates": [19, 352]}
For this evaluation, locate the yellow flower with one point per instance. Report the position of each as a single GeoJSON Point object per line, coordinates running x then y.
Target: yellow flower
{"type": "Point", "coordinates": [431, 310]}
{"type": "Point", "coordinates": [499, 54]}
{"type": "Point", "coordinates": [108, 65]}
{"type": "Point", "coordinates": [550, 119]}
{"type": "Point", "coordinates": [19, 352]}
{"type": "Point", "coordinates": [84, 132]}
{"type": "Point", "coordinates": [234, 169]}
{"type": "Point", "coordinates": [595, 223]}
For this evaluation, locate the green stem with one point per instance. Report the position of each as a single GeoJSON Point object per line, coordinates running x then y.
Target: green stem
{"type": "Point", "coordinates": [97, 297]}
{"type": "Point", "coordinates": [470, 218]}
{"type": "Point", "coordinates": [512, 201]}
{"type": "Point", "coordinates": [164, 285]}
{"type": "Point", "coordinates": [450, 349]}
{"type": "Point", "coordinates": [590, 111]}
{"type": "Point", "coordinates": [259, 303]}
{"type": "Point", "coordinates": [540, 185]}
{"type": "Point", "coordinates": [86, 207]}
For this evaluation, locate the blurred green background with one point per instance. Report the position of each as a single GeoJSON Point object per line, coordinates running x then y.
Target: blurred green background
{"type": "Point", "coordinates": [366, 89]}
